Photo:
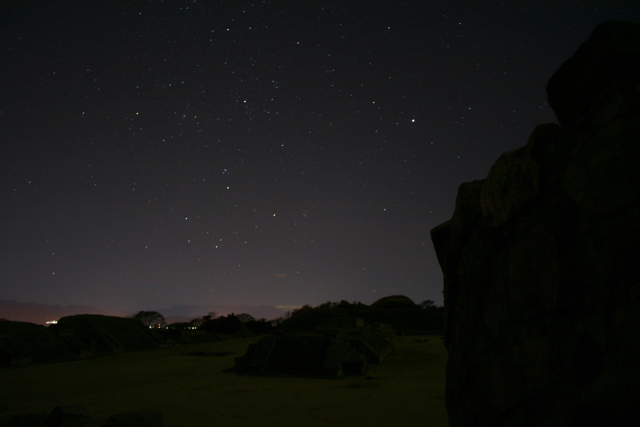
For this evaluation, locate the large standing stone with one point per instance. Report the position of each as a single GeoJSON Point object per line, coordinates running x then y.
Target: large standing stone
{"type": "Point", "coordinates": [540, 259]}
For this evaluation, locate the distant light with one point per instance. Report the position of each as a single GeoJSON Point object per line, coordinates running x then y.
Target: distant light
{"type": "Point", "coordinates": [52, 322]}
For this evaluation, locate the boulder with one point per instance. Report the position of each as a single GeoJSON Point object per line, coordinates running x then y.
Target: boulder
{"type": "Point", "coordinates": [24, 420]}
{"type": "Point", "coordinates": [136, 419]}
{"type": "Point", "coordinates": [374, 343]}
{"type": "Point", "coordinates": [541, 273]}
{"type": "Point", "coordinates": [340, 346]}
{"type": "Point", "coordinates": [599, 82]}
{"type": "Point", "coordinates": [68, 416]}
{"type": "Point", "coordinates": [307, 354]}
{"type": "Point", "coordinates": [23, 343]}
{"type": "Point", "coordinates": [91, 334]}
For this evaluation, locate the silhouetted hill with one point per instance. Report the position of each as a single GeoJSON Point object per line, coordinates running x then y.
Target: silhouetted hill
{"type": "Point", "coordinates": [193, 311]}
{"type": "Point", "coordinates": [397, 311]}
{"type": "Point", "coordinates": [41, 313]}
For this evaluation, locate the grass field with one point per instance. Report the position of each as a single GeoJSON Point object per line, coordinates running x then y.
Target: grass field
{"type": "Point", "coordinates": [407, 389]}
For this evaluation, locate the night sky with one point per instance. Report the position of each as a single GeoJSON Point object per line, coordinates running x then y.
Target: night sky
{"type": "Point", "coordinates": [279, 153]}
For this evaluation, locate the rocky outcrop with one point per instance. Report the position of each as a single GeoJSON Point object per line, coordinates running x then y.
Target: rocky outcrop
{"type": "Point", "coordinates": [540, 262]}
{"type": "Point", "coordinates": [68, 416]}
{"type": "Point", "coordinates": [93, 334]}
{"type": "Point", "coordinates": [23, 343]}
{"type": "Point", "coordinates": [340, 346]}
{"type": "Point", "coordinates": [307, 354]}
{"type": "Point", "coordinates": [397, 311]}
{"type": "Point", "coordinates": [136, 419]}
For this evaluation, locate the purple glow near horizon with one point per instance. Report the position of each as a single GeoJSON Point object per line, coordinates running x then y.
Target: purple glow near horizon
{"type": "Point", "coordinates": [257, 153]}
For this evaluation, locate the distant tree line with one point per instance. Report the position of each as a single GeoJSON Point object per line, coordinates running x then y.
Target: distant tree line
{"type": "Point", "coordinates": [152, 319]}
{"type": "Point", "coordinates": [404, 315]}
{"type": "Point", "coordinates": [401, 313]}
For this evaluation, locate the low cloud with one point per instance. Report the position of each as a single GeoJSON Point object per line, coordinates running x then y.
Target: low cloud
{"type": "Point", "coordinates": [288, 307]}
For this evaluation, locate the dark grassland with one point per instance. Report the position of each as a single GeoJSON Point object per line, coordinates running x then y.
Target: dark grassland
{"type": "Point", "coordinates": [188, 385]}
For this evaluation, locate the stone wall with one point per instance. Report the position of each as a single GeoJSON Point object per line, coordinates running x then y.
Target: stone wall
{"type": "Point", "coordinates": [541, 273]}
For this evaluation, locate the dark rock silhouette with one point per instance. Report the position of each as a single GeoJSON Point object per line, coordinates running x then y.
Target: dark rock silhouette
{"type": "Point", "coordinates": [90, 334]}
{"type": "Point", "coordinates": [398, 311]}
{"type": "Point", "coordinates": [301, 355]}
{"type": "Point", "coordinates": [540, 260]}
{"type": "Point", "coordinates": [340, 346]}
{"type": "Point", "coordinates": [68, 416]}
{"type": "Point", "coordinates": [226, 327]}
{"type": "Point", "coordinates": [136, 419]}
{"type": "Point", "coordinates": [599, 82]}
{"type": "Point", "coordinates": [23, 343]}
{"type": "Point", "coordinates": [24, 420]}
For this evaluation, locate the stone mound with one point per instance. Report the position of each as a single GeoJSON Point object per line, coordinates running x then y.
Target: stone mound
{"type": "Point", "coordinates": [341, 346]}
{"type": "Point", "coordinates": [23, 343]}
{"type": "Point", "coordinates": [136, 419]}
{"type": "Point", "coordinates": [68, 416]}
{"type": "Point", "coordinates": [301, 355]}
{"type": "Point", "coordinates": [90, 334]}
{"type": "Point", "coordinates": [374, 344]}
